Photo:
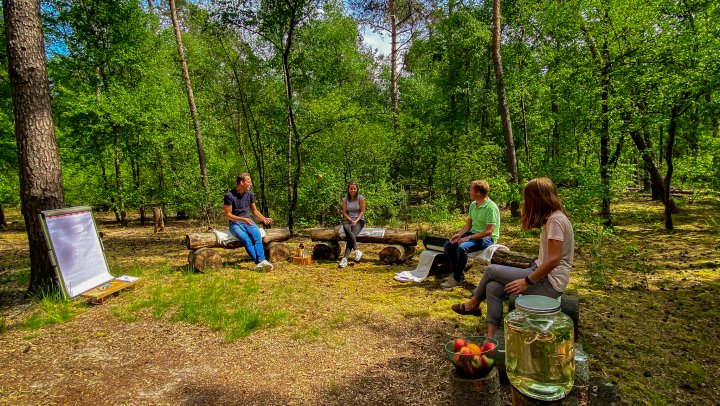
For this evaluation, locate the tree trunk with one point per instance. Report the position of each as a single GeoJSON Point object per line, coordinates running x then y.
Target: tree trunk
{"type": "Point", "coordinates": [294, 141]}
{"type": "Point", "coordinates": [118, 176]}
{"type": "Point", "coordinates": [158, 221]}
{"type": "Point", "coordinates": [656, 180]}
{"type": "Point", "coordinates": [605, 135]}
{"type": "Point", "coordinates": [393, 66]}
{"type": "Point", "coordinates": [602, 60]}
{"type": "Point", "coordinates": [369, 235]}
{"type": "Point", "coordinates": [525, 130]}
{"type": "Point", "coordinates": [3, 222]}
{"type": "Point", "coordinates": [193, 110]}
{"type": "Point", "coordinates": [503, 106]}
{"type": "Point", "coordinates": [672, 126]}
{"type": "Point", "coordinates": [39, 162]}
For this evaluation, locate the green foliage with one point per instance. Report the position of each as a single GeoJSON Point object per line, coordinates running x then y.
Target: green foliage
{"type": "Point", "coordinates": [115, 78]}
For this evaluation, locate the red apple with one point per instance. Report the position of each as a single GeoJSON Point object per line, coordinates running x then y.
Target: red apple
{"type": "Point", "coordinates": [459, 343]}
{"type": "Point", "coordinates": [489, 349]}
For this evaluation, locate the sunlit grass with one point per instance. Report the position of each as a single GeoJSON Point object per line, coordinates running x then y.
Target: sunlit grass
{"type": "Point", "coordinates": [52, 308]}
{"type": "Point", "coordinates": [232, 303]}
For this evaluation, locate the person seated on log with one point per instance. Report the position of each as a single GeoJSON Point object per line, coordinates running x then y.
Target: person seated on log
{"type": "Point", "coordinates": [481, 230]}
{"type": "Point", "coordinates": [239, 202]}
{"type": "Point", "coordinates": [550, 273]}
{"type": "Point", "coordinates": [353, 210]}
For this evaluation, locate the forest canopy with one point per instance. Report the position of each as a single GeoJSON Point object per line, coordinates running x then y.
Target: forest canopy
{"type": "Point", "coordinates": [603, 96]}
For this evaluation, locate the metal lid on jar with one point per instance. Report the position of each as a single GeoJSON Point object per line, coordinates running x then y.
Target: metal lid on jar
{"type": "Point", "coordinates": [537, 304]}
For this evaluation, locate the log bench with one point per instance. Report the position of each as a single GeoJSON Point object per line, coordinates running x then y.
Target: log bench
{"type": "Point", "coordinates": [203, 255]}
{"type": "Point", "coordinates": [401, 245]}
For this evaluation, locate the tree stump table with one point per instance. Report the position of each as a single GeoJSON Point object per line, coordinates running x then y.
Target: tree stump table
{"type": "Point", "coordinates": [477, 392]}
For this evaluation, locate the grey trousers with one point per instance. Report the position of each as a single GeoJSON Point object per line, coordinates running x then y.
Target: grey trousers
{"type": "Point", "coordinates": [492, 288]}
{"type": "Point", "coordinates": [350, 233]}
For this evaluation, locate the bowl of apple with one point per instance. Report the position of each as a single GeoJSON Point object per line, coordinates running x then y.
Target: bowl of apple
{"type": "Point", "coordinates": [474, 357]}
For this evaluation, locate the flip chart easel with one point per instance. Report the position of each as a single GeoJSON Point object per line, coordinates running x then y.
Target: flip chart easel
{"type": "Point", "coordinates": [78, 255]}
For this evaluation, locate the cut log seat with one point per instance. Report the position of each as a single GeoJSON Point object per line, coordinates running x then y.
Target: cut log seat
{"type": "Point", "coordinates": [396, 253]}
{"type": "Point", "coordinates": [511, 258]}
{"type": "Point", "coordinates": [401, 243]}
{"type": "Point", "coordinates": [368, 235]}
{"type": "Point", "coordinates": [202, 257]}
{"type": "Point", "coordinates": [326, 250]}
{"type": "Point", "coordinates": [209, 240]}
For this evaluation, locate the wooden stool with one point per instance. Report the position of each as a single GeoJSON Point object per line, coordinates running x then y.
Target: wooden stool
{"type": "Point", "coordinates": [481, 391]}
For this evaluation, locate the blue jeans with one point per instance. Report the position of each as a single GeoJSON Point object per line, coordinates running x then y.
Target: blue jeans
{"type": "Point", "coordinates": [249, 236]}
{"type": "Point", "coordinates": [459, 253]}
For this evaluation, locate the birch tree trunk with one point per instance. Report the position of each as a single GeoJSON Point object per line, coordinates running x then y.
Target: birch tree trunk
{"type": "Point", "coordinates": [40, 173]}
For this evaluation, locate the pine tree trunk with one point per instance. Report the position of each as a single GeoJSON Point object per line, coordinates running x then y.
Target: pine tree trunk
{"type": "Point", "coordinates": [40, 174]}
{"type": "Point", "coordinates": [672, 126]}
{"type": "Point", "coordinates": [503, 106]}
{"type": "Point", "coordinates": [118, 177]}
{"type": "Point", "coordinates": [193, 109]}
{"type": "Point", "coordinates": [393, 66]}
{"type": "Point", "coordinates": [3, 222]}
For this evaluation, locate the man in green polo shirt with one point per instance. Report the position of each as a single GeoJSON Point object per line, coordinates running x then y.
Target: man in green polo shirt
{"type": "Point", "coordinates": [481, 230]}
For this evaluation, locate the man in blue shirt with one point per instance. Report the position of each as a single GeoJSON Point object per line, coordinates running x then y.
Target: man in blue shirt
{"type": "Point", "coordinates": [238, 205]}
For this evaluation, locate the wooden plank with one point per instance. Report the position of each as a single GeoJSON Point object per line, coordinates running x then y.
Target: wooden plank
{"type": "Point", "coordinates": [98, 294]}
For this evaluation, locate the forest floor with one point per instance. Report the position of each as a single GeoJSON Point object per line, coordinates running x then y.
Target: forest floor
{"type": "Point", "coordinates": [319, 335]}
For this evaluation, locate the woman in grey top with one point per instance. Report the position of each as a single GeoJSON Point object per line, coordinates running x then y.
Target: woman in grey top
{"type": "Point", "coordinates": [353, 210]}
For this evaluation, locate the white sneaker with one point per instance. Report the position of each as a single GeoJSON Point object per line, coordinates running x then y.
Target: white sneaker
{"type": "Point", "coordinates": [266, 265]}
{"type": "Point", "coordinates": [343, 263]}
{"type": "Point", "coordinates": [358, 255]}
{"type": "Point", "coordinates": [451, 283]}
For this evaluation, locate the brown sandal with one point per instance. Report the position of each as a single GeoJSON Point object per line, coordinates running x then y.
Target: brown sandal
{"type": "Point", "coordinates": [460, 309]}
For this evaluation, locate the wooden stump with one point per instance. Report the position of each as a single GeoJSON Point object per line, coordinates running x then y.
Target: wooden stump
{"type": "Point", "coordinates": [277, 251]}
{"type": "Point", "coordinates": [518, 399]}
{"type": "Point", "coordinates": [205, 259]}
{"type": "Point", "coordinates": [396, 254]}
{"type": "Point", "coordinates": [326, 250]}
{"type": "Point", "coordinates": [158, 222]}
{"type": "Point", "coordinates": [481, 392]}
{"type": "Point", "coordinates": [511, 258]}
